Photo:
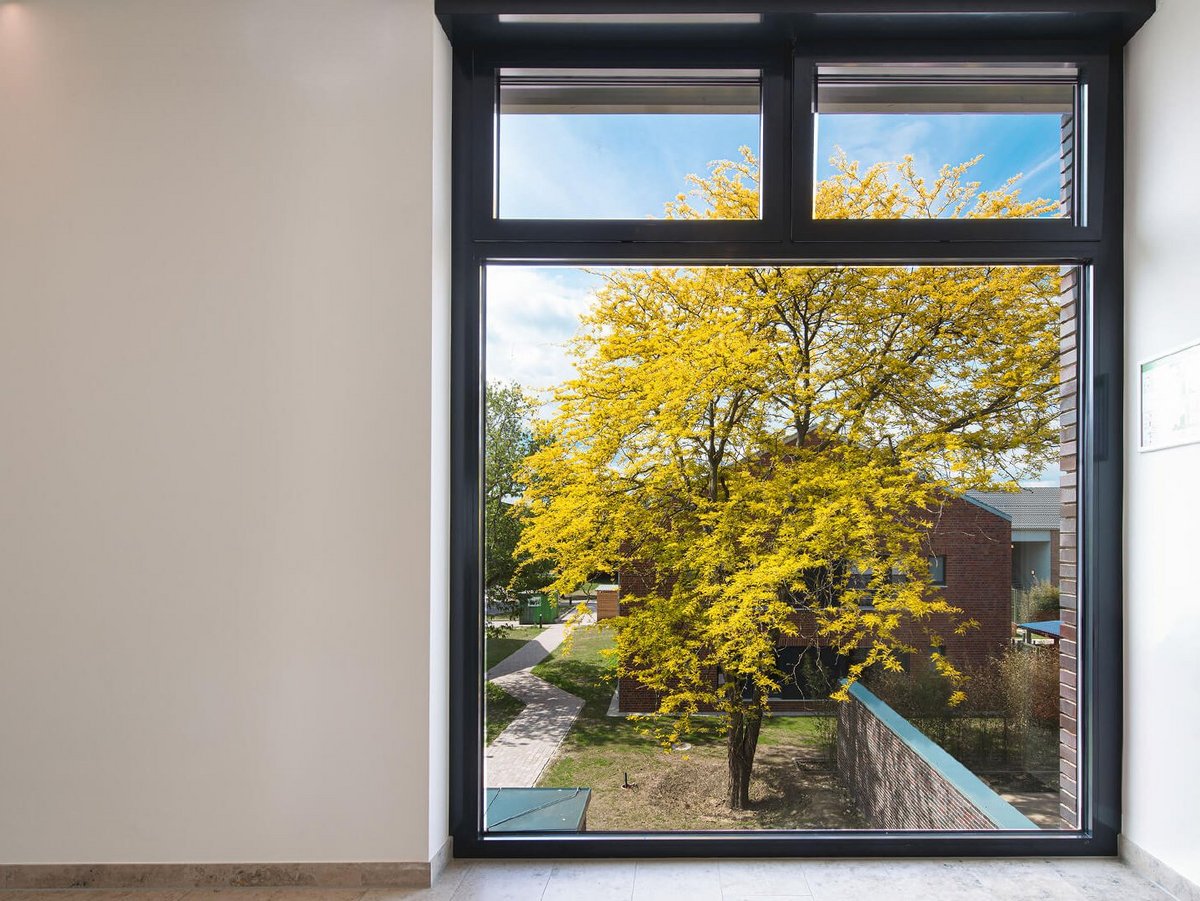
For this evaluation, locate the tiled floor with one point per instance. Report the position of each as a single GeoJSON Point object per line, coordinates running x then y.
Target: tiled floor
{"type": "Point", "coordinates": [749, 880]}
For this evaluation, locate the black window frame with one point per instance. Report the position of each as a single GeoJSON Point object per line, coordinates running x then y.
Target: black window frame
{"type": "Point", "coordinates": [480, 239]}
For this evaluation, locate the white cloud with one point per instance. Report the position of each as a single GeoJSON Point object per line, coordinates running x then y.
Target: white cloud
{"type": "Point", "coordinates": [531, 315]}
{"type": "Point", "coordinates": [1040, 178]}
{"type": "Point", "coordinates": [871, 139]}
{"type": "Point", "coordinates": [579, 179]}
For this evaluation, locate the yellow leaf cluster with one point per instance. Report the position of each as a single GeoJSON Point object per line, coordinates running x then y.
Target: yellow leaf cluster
{"type": "Point", "coordinates": [747, 438]}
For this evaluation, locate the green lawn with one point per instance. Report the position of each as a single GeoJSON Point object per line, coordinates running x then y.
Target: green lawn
{"type": "Point", "coordinates": [502, 708]}
{"type": "Point", "coordinates": [683, 789]}
{"type": "Point", "coordinates": [496, 649]}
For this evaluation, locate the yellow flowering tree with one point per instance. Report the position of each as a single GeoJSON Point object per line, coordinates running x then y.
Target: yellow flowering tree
{"type": "Point", "coordinates": [747, 438]}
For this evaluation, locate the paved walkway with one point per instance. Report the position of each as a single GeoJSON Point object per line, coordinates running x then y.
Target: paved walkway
{"type": "Point", "coordinates": [531, 653]}
{"type": "Point", "coordinates": [519, 754]}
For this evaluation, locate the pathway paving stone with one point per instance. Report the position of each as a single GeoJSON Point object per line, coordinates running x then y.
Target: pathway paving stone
{"type": "Point", "coordinates": [521, 752]}
{"type": "Point", "coordinates": [531, 653]}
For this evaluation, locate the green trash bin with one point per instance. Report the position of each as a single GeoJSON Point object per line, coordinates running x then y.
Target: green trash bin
{"type": "Point", "coordinates": [538, 610]}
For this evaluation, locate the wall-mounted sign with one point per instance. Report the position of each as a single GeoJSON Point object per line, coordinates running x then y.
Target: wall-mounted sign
{"type": "Point", "coordinates": [1170, 399]}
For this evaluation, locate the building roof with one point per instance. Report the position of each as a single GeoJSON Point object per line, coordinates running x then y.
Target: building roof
{"type": "Point", "coordinates": [1052, 627]}
{"type": "Point", "coordinates": [983, 505]}
{"type": "Point", "coordinates": [1038, 508]}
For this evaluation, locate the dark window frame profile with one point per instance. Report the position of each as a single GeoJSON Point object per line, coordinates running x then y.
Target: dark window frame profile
{"type": "Point", "coordinates": [788, 234]}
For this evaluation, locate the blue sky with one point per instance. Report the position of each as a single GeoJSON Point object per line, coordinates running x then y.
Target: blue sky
{"type": "Point", "coordinates": [628, 166]}
{"type": "Point", "coordinates": [1011, 144]}
{"type": "Point", "coordinates": [618, 166]}
{"type": "Point", "coordinates": [609, 166]}
{"type": "Point", "coordinates": [532, 312]}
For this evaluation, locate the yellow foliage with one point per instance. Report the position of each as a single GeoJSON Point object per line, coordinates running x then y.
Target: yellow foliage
{"type": "Point", "coordinates": [750, 436]}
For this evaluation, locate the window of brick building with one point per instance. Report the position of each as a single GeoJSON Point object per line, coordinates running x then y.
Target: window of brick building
{"type": "Point", "coordinates": [937, 569]}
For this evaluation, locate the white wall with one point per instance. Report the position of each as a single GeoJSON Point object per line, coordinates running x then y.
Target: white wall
{"type": "Point", "coordinates": [439, 484]}
{"type": "Point", "coordinates": [1162, 489]}
{"type": "Point", "coordinates": [222, 478]}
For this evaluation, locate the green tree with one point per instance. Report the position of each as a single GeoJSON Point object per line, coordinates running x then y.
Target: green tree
{"type": "Point", "coordinates": [773, 444]}
{"type": "Point", "coordinates": [509, 440]}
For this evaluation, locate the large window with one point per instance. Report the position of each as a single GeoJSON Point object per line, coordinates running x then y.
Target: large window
{"type": "Point", "coordinates": [782, 458]}
{"type": "Point", "coordinates": [749, 449]}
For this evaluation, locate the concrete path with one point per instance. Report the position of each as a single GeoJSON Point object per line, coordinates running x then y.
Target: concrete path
{"type": "Point", "coordinates": [531, 653]}
{"type": "Point", "coordinates": [520, 753]}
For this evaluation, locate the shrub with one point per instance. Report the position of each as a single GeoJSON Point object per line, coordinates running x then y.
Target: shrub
{"type": "Point", "coordinates": [1010, 716]}
{"type": "Point", "coordinates": [1041, 602]}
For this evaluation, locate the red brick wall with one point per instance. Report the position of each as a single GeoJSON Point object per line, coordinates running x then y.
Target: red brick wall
{"type": "Point", "coordinates": [1055, 555]}
{"type": "Point", "coordinates": [636, 579]}
{"type": "Point", "coordinates": [1065, 560]}
{"type": "Point", "coordinates": [891, 784]}
{"type": "Point", "coordinates": [1068, 541]}
{"type": "Point", "coordinates": [977, 545]}
{"type": "Point", "coordinates": [633, 697]}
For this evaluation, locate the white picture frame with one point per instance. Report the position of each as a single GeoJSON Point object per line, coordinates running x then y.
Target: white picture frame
{"type": "Point", "coordinates": [1169, 399]}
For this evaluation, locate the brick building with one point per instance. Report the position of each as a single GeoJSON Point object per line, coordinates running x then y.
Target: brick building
{"type": "Point", "coordinates": [970, 549]}
{"type": "Point", "coordinates": [1036, 514]}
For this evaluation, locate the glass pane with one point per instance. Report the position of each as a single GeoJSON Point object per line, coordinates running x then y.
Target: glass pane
{"type": "Point", "coordinates": [603, 144]}
{"type": "Point", "coordinates": [715, 494]}
{"type": "Point", "coordinates": [933, 142]}
{"type": "Point", "coordinates": [937, 570]}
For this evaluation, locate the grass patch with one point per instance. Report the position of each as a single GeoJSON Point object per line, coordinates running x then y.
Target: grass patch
{"type": "Point", "coordinates": [501, 709]}
{"type": "Point", "coordinates": [793, 785]}
{"type": "Point", "coordinates": [497, 649]}
{"type": "Point", "coordinates": [580, 666]}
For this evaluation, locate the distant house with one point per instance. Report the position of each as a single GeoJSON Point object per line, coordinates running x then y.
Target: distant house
{"type": "Point", "coordinates": [1036, 515]}
{"type": "Point", "coordinates": [970, 550]}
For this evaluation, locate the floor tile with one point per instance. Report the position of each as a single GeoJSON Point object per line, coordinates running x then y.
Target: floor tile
{"type": "Point", "coordinates": [439, 892]}
{"type": "Point", "coordinates": [273, 894]}
{"type": "Point", "coordinates": [1022, 880]}
{"type": "Point", "coordinates": [591, 881]}
{"type": "Point", "coordinates": [948, 880]}
{"type": "Point", "coordinates": [243, 894]}
{"type": "Point", "coordinates": [443, 889]}
{"type": "Point", "coordinates": [1100, 880]}
{"type": "Point", "coordinates": [706, 880]}
{"type": "Point", "coordinates": [454, 873]}
{"type": "Point", "coordinates": [504, 881]}
{"type": "Point", "coordinates": [95, 895]}
{"type": "Point", "coordinates": [688, 880]}
{"type": "Point", "coordinates": [756, 878]}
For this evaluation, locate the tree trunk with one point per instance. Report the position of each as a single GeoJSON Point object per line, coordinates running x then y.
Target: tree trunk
{"type": "Point", "coordinates": [744, 726]}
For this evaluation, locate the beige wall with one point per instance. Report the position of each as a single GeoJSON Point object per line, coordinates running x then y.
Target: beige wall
{"type": "Point", "coordinates": [1162, 490]}
{"type": "Point", "coordinates": [223, 371]}
{"type": "Point", "coordinates": [223, 374]}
